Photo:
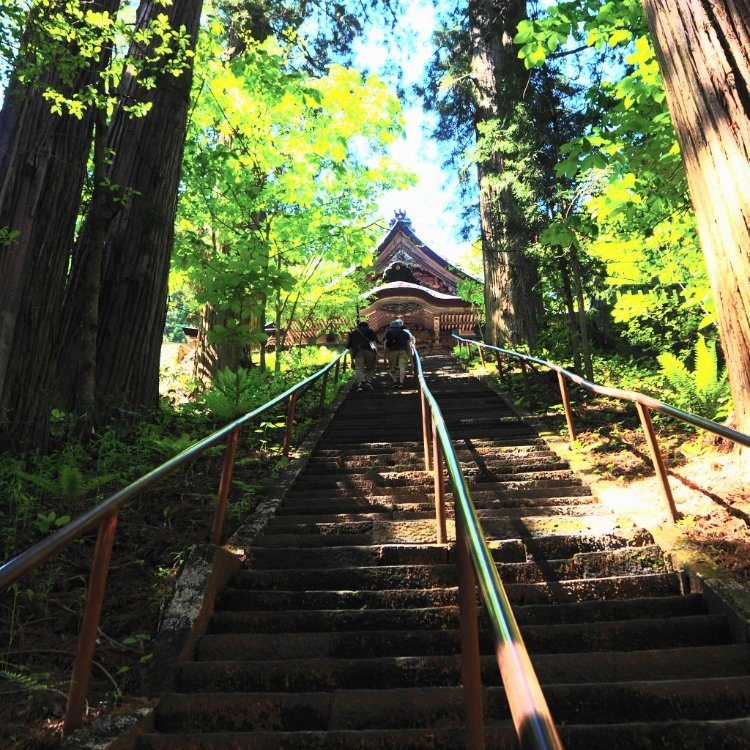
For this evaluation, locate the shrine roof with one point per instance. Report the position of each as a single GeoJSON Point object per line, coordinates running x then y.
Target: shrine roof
{"type": "Point", "coordinates": [403, 225]}
{"type": "Point", "coordinates": [406, 287]}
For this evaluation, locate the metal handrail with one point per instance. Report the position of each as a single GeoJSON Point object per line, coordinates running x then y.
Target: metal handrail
{"type": "Point", "coordinates": [531, 716]}
{"type": "Point", "coordinates": [645, 404]}
{"type": "Point", "coordinates": [105, 513]}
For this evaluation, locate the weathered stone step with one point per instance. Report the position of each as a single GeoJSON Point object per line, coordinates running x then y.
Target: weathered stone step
{"type": "Point", "coordinates": [498, 738]}
{"type": "Point", "coordinates": [732, 734]}
{"type": "Point", "coordinates": [354, 489]}
{"type": "Point", "coordinates": [509, 553]}
{"type": "Point", "coordinates": [615, 609]}
{"type": "Point", "coordinates": [602, 703]}
{"type": "Point", "coordinates": [463, 448]}
{"type": "Point", "coordinates": [487, 504]}
{"type": "Point", "coordinates": [375, 628]}
{"type": "Point", "coordinates": [425, 576]}
{"type": "Point", "coordinates": [680, 733]}
{"type": "Point", "coordinates": [292, 675]}
{"type": "Point", "coordinates": [367, 465]}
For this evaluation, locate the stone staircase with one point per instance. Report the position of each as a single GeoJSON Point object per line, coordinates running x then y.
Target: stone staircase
{"type": "Point", "coordinates": [342, 630]}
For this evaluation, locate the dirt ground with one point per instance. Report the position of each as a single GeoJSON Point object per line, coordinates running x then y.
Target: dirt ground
{"type": "Point", "coordinates": [711, 494]}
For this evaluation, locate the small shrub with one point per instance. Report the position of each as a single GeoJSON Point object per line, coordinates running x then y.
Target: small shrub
{"type": "Point", "coordinates": [704, 390]}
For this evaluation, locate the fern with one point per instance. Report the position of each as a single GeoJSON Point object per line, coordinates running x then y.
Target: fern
{"type": "Point", "coordinates": [70, 484]}
{"type": "Point", "coordinates": [235, 393]}
{"type": "Point", "coordinates": [704, 390]}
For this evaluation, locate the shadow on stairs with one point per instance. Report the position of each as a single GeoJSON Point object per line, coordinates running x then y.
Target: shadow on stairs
{"type": "Point", "coordinates": [341, 630]}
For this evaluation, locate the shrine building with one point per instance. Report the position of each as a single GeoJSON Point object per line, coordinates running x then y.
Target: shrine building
{"type": "Point", "coordinates": [414, 283]}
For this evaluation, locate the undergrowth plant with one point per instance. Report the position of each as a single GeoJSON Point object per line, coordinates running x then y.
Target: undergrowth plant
{"type": "Point", "coordinates": [703, 390]}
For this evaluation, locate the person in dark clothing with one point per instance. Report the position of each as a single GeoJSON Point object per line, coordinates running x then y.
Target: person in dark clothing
{"type": "Point", "coordinates": [363, 344]}
{"type": "Point", "coordinates": [398, 342]}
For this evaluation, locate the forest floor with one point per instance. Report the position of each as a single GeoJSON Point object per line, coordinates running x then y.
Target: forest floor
{"type": "Point", "coordinates": [710, 491]}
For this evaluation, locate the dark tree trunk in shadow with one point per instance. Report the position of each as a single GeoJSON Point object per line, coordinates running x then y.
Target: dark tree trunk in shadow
{"type": "Point", "coordinates": [42, 170]}
{"type": "Point", "coordinates": [498, 77]}
{"type": "Point", "coordinates": [147, 161]}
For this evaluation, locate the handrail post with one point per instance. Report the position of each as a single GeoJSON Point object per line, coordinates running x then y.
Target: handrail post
{"type": "Point", "coordinates": [437, 465]}
{"type": "Point", "coordinates": [526, 382]}
{"type": "Point", "coordinates": [336, 372]}
{"type": "Point", "coordinates": [425, 428]}
{"type": "Point", "coordinates": [657, 459]}
{"type": "Point", "coordinates": [289, 422]}
{"type": "Point", "coordinates": [481, 356]}
{"type": "Point", "coordinates": [224, 484]}
{"type": "Point", "coordinates": [566, 407]}
{"type": "Point", "coordinates": [500, 372]}
{"type": "Point", "coordinates": [471, 672]}
{"type": "Point", "coordinates": [79, 681]}
{"type": "Point", "coordinates": [323, 391]}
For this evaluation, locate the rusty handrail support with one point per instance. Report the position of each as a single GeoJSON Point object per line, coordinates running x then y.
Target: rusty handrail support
{"type": "Point", "coordinates": [566, 406]}
{"type": "Point", "coordinates": [79, 681]}
{"type": "Point", "coordinates": [224, 484]}
{"type": "Point", "coordinates": [527, 382]}
{"type": "Point", "coordinates": [657, 459]}
{"type": "Point", "coordinates": [500, 372]}
{"type": "Point", "coordinates": [471, 670]}
{"type": "Point", "coordinates": [439, 483]}
{"type": "Point", "coordinates": [481, 357]}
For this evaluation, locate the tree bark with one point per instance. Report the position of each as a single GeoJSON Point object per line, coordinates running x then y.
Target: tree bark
{"type": "Point", "coordinates": [574, 335]}
{"type": "Point", "coordinates": [498, 78]}
{"type": "Point", "coordinates": [702, 48]}
{"type": "Point", "coordinates": [42, 169]}
{"type": "Point", "coordinates": [147, 161]}
{"type": "Point", "coordinates": [583, 327]}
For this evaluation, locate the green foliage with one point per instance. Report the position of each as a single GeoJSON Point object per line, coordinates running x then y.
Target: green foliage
{"type": "Point", "coordinates": [69, 484]}
{"type": "Point", "coordinates": [233, 394]}
{"type": "Point", "coordinates": [628, 206]}
{"type": "Point", "coordinates": [72, 40]}
{"type": "Point", "coordinates": [45, 522]}
{"type": "Point", "coordinates": [703, 390]}
{"type": "Point", "coordinates": [281, 179]}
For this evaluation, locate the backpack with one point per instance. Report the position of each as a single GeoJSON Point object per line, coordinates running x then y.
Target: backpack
{"type": "Point", "coordinates": [397, 338]}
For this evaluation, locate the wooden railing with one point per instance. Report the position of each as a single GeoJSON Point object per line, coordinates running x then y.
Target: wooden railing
{"type": "Point", "coordinates": [529, 711]}
{"type": "Point", "coordinates": [644, 405]}
{"type": "Point", "coordinates": [105, 514]}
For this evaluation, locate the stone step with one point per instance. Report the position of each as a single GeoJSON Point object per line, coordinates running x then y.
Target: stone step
{"type": "Point", "coordinates": [601, 703]}
{"type": "Point", "coordinates": [426, 576]}
{"type": "Point", "coordinates": [509, 553]}
{"type": "Point", "coordinates": [731, 734]}
{"type": "Point", "coordinates": [293, 675]}
{"type": "Point", "coordinates": [380, 624]}
{"type": "Point", "coordinates": [487, 504]}
{"type": "Point", "coordinates": [501, 738]}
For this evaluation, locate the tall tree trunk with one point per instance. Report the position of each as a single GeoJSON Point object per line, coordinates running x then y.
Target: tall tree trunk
{"type": "Point", "coordinates": [702, 48]}
{"type": "Point", "coordinates": [148, 158]}
{"type": "Point", "coordinates": [498, 76]}
{"type": "Point", "coordinates": [42, 169]}
{"type": "Point", "coordinates": [588, 365]}
{"type": "Point", "coordinates": [213, 356]}
{"type": "Point", "coordinates": [91, 285]}
{"type": "Point", "coordinates": [570, 313]}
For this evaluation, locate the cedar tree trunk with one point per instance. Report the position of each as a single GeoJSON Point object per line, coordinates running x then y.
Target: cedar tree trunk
{"type": "Point", "coordinates": [42, 169]}
{"type": "Point", "coordinates": [498, 77]}
{"type": "Point", "coordinates": [703, 48]}
{"type": "Point", "coordinates": [147, 161]}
